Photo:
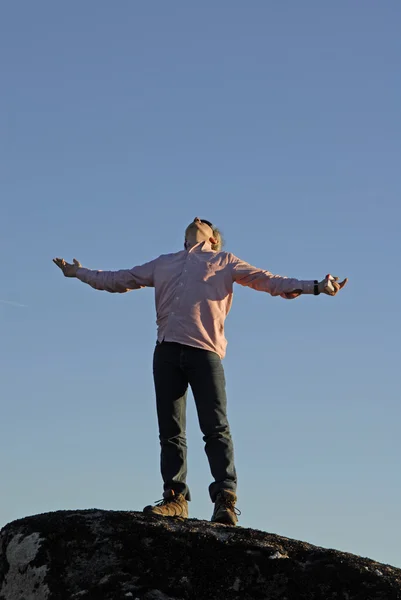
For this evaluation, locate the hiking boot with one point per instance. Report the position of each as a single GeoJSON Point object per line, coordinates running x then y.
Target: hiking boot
{"type": "Point", "coordinates": [224, 508]}
{"type": "Point", "coordinates": [172, 505]}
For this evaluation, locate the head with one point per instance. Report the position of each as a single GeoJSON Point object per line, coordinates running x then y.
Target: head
{"type": "Point", "coordinates": [201, 230]}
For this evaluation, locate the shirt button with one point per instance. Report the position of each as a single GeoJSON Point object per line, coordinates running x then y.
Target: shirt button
{"type": "Point", "coordinates": [172, 312]}
{"type": "Point", "coordinates": [177, 298]}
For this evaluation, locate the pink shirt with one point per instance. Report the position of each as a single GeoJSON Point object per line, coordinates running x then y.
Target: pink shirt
{"type": "Point", "coordinates": [193, 291]}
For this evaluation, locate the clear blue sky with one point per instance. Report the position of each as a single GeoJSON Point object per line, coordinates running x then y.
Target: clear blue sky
{"type": "Point", "coordinates": [280, 122]}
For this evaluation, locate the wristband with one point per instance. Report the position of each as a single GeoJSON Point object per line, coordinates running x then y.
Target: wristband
{"type": "Point", "coordinates": [316, 288]}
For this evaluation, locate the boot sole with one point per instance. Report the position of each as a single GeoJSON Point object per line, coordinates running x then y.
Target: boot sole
{"type": "Point", "coordinates": [157, 516]}
{"type": "Point", "coordinates": [225, 522]}
{"type": "Point", "coordinates": [152, 513]}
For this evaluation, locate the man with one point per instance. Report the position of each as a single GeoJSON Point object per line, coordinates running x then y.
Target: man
{"type": "Point", "coordinates": [194, 289]}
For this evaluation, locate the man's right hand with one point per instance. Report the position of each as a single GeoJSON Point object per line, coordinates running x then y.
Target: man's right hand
{"type": "Point", "coordinates": [69, 270]}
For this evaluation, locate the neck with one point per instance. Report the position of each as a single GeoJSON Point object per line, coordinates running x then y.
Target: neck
{"type": "Point", "coordinates": [193, 240]}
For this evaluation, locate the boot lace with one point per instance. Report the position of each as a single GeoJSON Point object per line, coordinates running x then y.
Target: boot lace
{"type": "Point", "coordinates": [230, 505]}
{"type": "Point", "coordinates": [168, 500]}
{"type": "Point", "coordinates": [165, 501]}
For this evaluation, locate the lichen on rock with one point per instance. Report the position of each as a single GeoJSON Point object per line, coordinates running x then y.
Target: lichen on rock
{"type": "Point", "coordinates": [23, 576]}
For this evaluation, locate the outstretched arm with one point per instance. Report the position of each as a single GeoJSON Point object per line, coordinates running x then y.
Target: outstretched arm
{"type": "Point", "coordinates": [277, 285]}
{"type": "Point", "coordinates": [120, 281]}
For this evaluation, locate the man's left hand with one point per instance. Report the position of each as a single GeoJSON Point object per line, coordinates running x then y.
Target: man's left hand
{"type": "Point", "coordinates": [335, 283]}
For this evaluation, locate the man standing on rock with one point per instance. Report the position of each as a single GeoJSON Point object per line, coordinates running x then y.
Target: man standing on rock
{"type": "Point", "coordinates": [194, 290]}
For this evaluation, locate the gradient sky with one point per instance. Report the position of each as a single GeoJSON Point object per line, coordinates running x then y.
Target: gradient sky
{"type": "Point", "coordinates": [280, 122]}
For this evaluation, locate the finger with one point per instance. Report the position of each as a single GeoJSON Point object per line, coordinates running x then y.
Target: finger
{"type": "Point", "coordinates": [338, 286]}
{"type": "Point", "coordinates": [60, 262]}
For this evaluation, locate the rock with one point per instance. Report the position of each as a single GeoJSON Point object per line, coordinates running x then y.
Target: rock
{"type": "Point", "coordinates": [112, 555]}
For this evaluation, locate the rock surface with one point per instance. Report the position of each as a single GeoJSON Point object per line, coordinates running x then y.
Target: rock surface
{"type": "Point", "coordinates": [112, 555]}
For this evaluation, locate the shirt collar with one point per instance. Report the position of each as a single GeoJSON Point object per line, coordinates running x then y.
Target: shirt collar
{"type": "Point", "coordinates": [201, 247]}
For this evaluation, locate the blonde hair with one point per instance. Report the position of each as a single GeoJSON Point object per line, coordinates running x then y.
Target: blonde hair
{"type": "Point", "coordinates": [220, 241]}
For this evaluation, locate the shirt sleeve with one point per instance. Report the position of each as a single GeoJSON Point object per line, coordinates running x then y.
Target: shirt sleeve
{"type": "Point", "coordinates": [120, 281]}
{"type": "Point", "coordinates": [264, 281]}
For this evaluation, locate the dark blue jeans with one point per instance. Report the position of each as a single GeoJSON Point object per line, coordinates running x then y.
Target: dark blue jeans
{"type": "Point", "coordinates": [176, 366]}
